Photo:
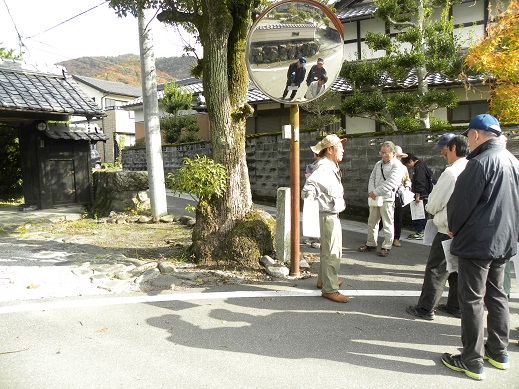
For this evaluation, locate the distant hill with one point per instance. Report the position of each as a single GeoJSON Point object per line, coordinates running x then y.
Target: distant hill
{"type": "Point", "coordinates": [126, 68]}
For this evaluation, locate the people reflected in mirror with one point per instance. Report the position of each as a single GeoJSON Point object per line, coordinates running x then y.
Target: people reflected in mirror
{"type": "Point", "coordinates": [295, 76]}
{"type": "Point", "coordinates": [316, 87]}
{"type": "Point", "coordinates": [316, 71]}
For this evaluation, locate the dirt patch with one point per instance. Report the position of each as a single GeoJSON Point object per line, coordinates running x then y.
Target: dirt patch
{"type": "Point", "coordinates": [148, 242]}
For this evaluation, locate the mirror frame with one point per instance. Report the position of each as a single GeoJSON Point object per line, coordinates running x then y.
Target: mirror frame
{"type": "Point", "coordinates": [327, 11]}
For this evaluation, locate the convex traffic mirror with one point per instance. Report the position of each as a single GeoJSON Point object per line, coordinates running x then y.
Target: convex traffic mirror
{"type": "Point", "coordinates": [295, 50]}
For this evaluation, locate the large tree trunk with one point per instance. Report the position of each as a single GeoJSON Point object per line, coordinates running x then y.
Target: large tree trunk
{"type": "Point", "coordinates": [225, 83]}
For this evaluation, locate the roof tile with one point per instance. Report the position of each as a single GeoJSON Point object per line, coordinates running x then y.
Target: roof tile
{"type": "Point", "coordinates": [29, 88]}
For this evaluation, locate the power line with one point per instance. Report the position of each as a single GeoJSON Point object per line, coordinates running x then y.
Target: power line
{"type": "Point", "coordinates": [20, 41]}
{"type": "Point", "coordinates": [65, 21]}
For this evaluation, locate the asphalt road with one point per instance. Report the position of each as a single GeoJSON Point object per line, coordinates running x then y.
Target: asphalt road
{"type": "Point", "coordinates": [274, 335]}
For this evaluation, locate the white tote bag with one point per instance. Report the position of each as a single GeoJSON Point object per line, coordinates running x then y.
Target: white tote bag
{"type": "Point", "coordinates": [311, 219]}
{"type": "Point", "coordinates": [379, 200]}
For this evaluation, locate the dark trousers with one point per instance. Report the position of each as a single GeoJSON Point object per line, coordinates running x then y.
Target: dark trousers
{"type": "Point", "coordinates": [480, 286]}
{"type": "Point", "coordinates": [419, 224]}
{"type": "Point", "coordinates": [435, 276]}
{"type": "Point", "coordinates": [398, 217]}
{"type": "Point", "coordinates": [292, 94]}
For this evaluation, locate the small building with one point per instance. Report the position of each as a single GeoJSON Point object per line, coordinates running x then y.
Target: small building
{"type": "Point", "coordinates": [39, 101]}
{"type": "Point", "coordinates": [118, 124]}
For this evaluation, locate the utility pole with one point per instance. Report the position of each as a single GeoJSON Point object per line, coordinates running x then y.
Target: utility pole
{"type": "Point", "coordinates": [154, 158]}
{"type": "Point", "coordinates": [295, 191]}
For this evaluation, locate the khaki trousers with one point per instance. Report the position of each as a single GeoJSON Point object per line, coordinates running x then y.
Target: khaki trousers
{"type": "Point", "coordinates": [386, 212]}
{"type": "Point", "coordinates": [331, 251]}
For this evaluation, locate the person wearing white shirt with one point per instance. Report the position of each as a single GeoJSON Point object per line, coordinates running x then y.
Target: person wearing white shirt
{"type": "Point", "coordinates": [325, 186]}
{"type": "Point", "coordinates": [436, 273]}
{"type": "Point", "coordinates": [316, 87]}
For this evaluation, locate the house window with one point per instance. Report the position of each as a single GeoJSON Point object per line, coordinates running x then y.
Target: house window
{"type": "Point", "coordinates": [465, 111]}
{"type": "Point", "coordinates": [113, 103]}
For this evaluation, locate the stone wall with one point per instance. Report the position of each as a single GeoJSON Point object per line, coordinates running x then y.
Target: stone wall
{"type": "Point", "coordinates": [119, 191]}
{"type": "Point", "coordinates": [268, 159]}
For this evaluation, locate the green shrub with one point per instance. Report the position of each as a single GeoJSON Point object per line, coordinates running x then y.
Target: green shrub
{"type": "Point", "coordinates": [10, 163]}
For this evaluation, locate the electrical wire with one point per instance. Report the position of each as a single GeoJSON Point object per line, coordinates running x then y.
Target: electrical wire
{"type": "Point", "coordinates": [20, 40]}
{"type": "Point", "coordinates": [65, 21]}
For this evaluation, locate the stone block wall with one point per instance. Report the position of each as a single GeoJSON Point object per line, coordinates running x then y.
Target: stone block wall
{"type": "Point", "coordinates": [268, 159]}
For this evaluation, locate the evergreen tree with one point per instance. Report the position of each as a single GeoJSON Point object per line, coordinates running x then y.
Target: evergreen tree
{"type": "Point", "coordinates": [420, 43]}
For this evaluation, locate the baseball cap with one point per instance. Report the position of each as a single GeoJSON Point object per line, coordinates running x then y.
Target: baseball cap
{"type": "Point", "coordinates": [484, 122]}
{"type": "Point", "coordinates": [444, 139]}
{"type": "Point", "coordinates": [302, 60]}
{"type": "Point", "coordinates": [328, 141]}
{"type": "Point", "coordinates": [399, 152]}
{"type": "Point", "coordinates": [320, 60]}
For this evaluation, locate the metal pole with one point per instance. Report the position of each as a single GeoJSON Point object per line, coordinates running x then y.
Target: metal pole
{"type": "Point", "coordinates": [294, 191]}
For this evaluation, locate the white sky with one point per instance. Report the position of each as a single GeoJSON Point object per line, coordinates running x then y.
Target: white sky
{"type": "Point", "coordinates": [98, 32]}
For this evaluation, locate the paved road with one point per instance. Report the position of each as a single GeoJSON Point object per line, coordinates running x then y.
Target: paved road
{"type": "Point", "coordinates": [273, 335]}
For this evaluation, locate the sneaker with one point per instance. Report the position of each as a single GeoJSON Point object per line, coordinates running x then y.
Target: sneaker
{"type": "Point", "coordinates": [455, 363]}
{"type": "Point", "coordinates": [456, 312]}
{"type": "Point", "coordinates": [501, 362]}
{"type": "Point", "coordinates": [316, 245]}
{"type": "Point", "coordinates": [418, 312]}
{"type": "Point", "coordinates": [416, 235]}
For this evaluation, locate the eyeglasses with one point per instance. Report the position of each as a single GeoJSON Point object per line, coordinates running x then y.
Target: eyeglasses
{"type": "Point", "coordinates": [385, 153]}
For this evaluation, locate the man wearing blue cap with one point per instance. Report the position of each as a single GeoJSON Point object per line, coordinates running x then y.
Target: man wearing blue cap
{"type": "Point", "coordinates": [483, 220]}
{"type": "Point", "coordinates": [441, 146]}
{"type": "Point", "coordinates": [295, 76]}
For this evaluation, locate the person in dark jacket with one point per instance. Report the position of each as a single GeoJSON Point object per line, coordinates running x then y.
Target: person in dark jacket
{"type": "Point", "coordinates": [316, 72]}
{"type": "Point", "coordinates": [295, 76]}
{"type": "Point", "coordinates": [421, 187]}
{"type": "Point", "coordinates": [483, 220]}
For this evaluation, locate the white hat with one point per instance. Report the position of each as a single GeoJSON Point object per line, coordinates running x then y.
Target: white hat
{"type": "Point", "coordinates": [328, 141]}
{"type": "Point", "coordinates": [399, 152]}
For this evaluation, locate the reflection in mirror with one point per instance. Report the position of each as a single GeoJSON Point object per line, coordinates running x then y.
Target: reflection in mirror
{"type": "Point", "coordinates": [295, 51]}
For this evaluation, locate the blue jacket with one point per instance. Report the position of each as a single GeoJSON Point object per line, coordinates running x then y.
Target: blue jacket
{"type": "Point", "coordinates": [483, 211]}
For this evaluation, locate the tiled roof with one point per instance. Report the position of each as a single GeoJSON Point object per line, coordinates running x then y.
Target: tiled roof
{"type": "Point", "coordinates": [114, 88]}
{"type": "Point", "coordinates": [254, 95]}
{"type": "Point", "coordinates": [74, 132]}
{"type": "Point", "coordinates": [433, 80]}
{"type": "Point", "coordinates": [31, 88]}
{"type": "Point", "coordinates": [194, 85]}
{"type": "Point", "coordinates": [356, 11]}
{"type": "Point", "coordinates": [283, 25]}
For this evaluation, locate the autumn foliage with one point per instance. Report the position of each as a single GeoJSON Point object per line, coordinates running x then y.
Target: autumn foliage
{"type": "Point", "coordinates": [497, 56]}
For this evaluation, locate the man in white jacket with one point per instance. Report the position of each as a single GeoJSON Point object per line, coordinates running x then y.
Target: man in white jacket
{"type": "Point", "coordinates": [436, 273]}
{"type": "Point", "coordinates": [325, 186]}
{"type": "Point", "coordinates": [384, 180]}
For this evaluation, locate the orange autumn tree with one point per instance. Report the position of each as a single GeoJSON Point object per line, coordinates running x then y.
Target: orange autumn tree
{"type": "Point", "coordinates": [497, 56]}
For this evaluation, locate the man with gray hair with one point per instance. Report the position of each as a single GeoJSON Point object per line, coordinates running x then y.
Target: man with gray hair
{"type": "Point", "coordinates": [384, 180]}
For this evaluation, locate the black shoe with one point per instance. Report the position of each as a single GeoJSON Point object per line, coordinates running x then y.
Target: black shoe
{"type": "Point", "coordinates": [416, 311]}
{"type": "Point", "coordinates": [455, 363]}
{"type": "Point", "coordinates": [456, 312]}
{"type": "Point", "coordinates": [501, 362]}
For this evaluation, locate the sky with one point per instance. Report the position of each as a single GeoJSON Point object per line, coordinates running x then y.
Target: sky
{"type": "Point", "coordinates": [59, 30]}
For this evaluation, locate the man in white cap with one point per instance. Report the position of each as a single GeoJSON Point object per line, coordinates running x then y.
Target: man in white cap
{"type": "Point", "coordinates": [405, 184]}
{"type": "Point", "coordinates": [324, 185]}
{"type": "Point", "coordinates": [316, 72]}
{"type": "Point", "coordinates": [483, 220]}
